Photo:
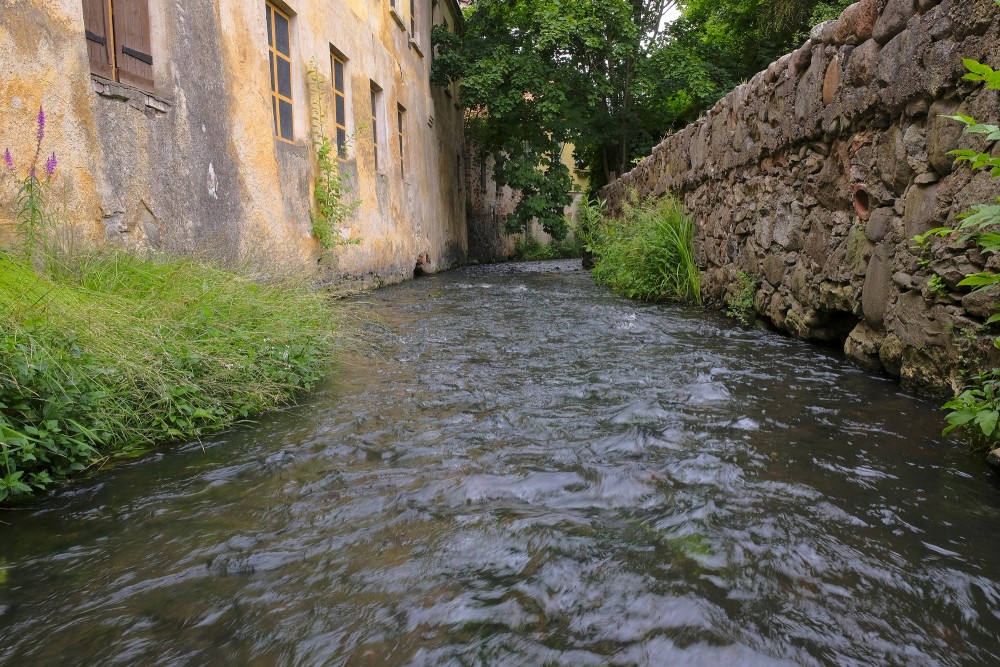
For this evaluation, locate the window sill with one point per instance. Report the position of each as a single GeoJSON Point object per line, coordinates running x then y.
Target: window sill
{"type": "Point", "coordinates": [137, 98]}
{"type": "Point", "coordinates": [397, 18]}
{"type": "Point", "coordinates": [416, 47]}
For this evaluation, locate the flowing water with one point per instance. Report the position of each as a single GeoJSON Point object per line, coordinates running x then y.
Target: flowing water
{"type": "Point", "coordinates": [535, 472]}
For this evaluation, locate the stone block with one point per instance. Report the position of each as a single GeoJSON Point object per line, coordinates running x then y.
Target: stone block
{"type": "Point", "coordinates": [921, 210]}
{"type": "Point", "coordinates": [863, 345]}
{"type": "Point", "coordinates": [943, 135]}
{"type": "Point", "coordinates": [876, 290]}
{"type": "Point", "coordinates": [831, 82]}
{"type": "Point", "coordinates": [879, 223]}
{"type": "Point", "coordinates": [846, 31]}
{"type": "Point", "coordinates": [982, 303]}
{"type": "Point", "coordinates": [774, 269]}
{"type": "Point", "coordinates": [893, 19]}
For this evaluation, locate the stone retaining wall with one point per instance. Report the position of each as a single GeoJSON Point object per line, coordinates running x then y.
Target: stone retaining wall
{"type": "Point", "coordinates": [815, 175]}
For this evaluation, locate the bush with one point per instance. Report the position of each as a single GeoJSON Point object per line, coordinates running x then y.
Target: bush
{"type": "Point", "coordinates": [530, 249]}
{"type": "Point", "coordinates": [648, 253]}
{"type": "Point", "coordinates": [741, 306]}
{"type": "Point", "coordinates": [113, 353]}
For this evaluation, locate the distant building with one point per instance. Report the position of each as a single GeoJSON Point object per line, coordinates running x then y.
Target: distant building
{"type": "Point", "coordinates": [185, 126]}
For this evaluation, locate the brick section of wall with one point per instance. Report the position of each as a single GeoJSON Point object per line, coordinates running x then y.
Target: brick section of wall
{"type": "Point", "coordinates": [815, 175]}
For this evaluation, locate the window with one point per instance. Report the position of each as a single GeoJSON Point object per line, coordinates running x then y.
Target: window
{"type": "Point", "coordinates": [279, 52]}
{"type": "Point", "coordinates": [376, 100]}
{"type": "Point", "coordinates": [340, 101]}
{"type": "Point", "coordinates": [400, 122]}
{"type": "Point", "coordinates": [118, 40]}
{"type": "Point", "coordinates": [413, 19]}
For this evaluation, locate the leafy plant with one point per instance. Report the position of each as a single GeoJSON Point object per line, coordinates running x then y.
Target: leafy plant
{"type": "Point", "coordinates": [30, 210]}
{"type": "Point", "coordinates": [741, 305]}
{"type": "Point", "coordinates": [648, 253]}
{"type": "Point", "coordinates": [936, 285]}
{"type": "Point", "coordinates": [333, 204]}
{"type": "Point", "coordinates": [977, 410]}
{"type": "Point", "coordinates": [977, 407]}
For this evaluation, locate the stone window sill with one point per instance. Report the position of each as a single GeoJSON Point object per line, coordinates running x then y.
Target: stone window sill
{"type": "Point", "coordinates": [416, 47]}
{"type": "Point", "coordinates": [397, 18]}
{"type": "Point", "coordinates": [138, 99]}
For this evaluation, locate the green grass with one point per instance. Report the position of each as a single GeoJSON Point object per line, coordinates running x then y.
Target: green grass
{"type": "Point", "coordinates": [648, 253]}
{"type": "Point", "coordinates": [111, 353]}
{"type": "Point", "coordinates": [530, 249]}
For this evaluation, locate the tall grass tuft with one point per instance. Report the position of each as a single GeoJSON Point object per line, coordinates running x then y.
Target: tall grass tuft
{"type": "Point", "coordinates": [110, 352]}
{"type": "Point", "coordinates": [648, 253]}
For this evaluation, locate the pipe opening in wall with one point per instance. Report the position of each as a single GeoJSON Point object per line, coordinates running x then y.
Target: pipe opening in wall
{"type": "Point", "coordinates": [862, 203]}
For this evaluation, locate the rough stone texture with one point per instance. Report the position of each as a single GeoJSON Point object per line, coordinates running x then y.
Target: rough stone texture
{"type": "Point", "coordinates": [193, 166]}
{"type": "Point", "coordinates": [815, 176]}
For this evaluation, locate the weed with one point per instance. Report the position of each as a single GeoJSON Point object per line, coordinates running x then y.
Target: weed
{"type": "Point", "coordinates": [648, 253]}
{"type": "Point", "coordinates": [937, 287]}
{"type": "Point", "coordinates": [741, 305]}
{"type": "Point", "coordinates": [333, 204]}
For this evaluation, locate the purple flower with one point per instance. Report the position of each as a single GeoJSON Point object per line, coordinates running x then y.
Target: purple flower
{"type": "Point", "coordinates": [41, 123]}
{"type": "Point", "coordinates": [50, 165]}
{"type": "Point", "coordinates": [8, 160]}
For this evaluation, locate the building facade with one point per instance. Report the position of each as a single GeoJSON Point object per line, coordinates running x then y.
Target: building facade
{"type": "Point", "coordinates": [188, 126]}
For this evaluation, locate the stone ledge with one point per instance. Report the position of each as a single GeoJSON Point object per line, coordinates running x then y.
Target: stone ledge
{"type": "Point", "coordinates": [136, 98]}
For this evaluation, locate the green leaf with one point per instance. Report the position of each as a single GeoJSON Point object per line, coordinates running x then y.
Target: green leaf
{"type": "Point", "coordinates": [987, 421]}
{"type": "Point", "coordinates": [962, 118]}
{"type": "Point", "coordinates": [980, 280]}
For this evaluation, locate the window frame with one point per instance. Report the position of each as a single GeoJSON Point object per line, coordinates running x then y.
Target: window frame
{"type": "Point", "coordinates": [273, 56]}
{"type": "Point", "coordinates": [378, 122]}
{"type": "Point", "coordinates": [339, 95]}
{"type": "Point", "coordinates": [400, 126]}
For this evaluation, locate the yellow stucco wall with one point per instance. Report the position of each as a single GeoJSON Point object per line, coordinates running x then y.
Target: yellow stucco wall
{"type": "Point", "coordinates": [194, 167]}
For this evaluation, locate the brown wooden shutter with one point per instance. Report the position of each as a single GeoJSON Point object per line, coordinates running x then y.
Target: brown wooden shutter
{"type": "Point", "coordinates": [96, 23]}
{"type": "Point", "coordinates": [133, 48]}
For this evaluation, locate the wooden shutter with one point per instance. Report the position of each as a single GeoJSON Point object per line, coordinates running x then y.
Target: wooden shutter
{"type": "Point", "coordinates": [133, 49]}
{"type": "Point", "coordinates": [96, 23]}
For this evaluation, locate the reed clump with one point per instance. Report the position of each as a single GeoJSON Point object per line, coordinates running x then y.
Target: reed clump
{"type": "Point", "coordinates": [646, 254]}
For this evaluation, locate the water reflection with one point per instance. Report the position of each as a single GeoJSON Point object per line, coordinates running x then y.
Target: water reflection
{"type": "Point", "coordinates": [538, 473]}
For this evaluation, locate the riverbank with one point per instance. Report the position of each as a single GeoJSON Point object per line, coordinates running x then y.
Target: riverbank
{"type": "Point", "coordinates": [110, 353]}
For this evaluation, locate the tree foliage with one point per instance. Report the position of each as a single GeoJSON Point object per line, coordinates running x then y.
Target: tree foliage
{"type": "Point", "coordinates": [612, 77]}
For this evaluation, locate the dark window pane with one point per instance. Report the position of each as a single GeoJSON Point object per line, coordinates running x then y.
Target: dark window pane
{"type": "Point", "coordinates": [341, 111]}
{"type": "Point", "coordinates": [373, 105]}
{"type": "Point", "coordinates": [281, 34]}
{"type": "Point", "coordinates": [284, 77]}
{"type": "Point", "coordinates": [285, 110]}
{"type": "Point", "coordinates": [342, 142]}
{"type": "Point", "coordinates": [274, 110]}
{"type": "Point", "coordinates": [399, 122]}
{"type": "Point", "coordinates": [338, 75]}
{"type": "Point", "coordinates": [270, 30]}
{"type": "Point", "coordinates": [270, 57]}
{"type": "Point", "coordinates": [376, 156]}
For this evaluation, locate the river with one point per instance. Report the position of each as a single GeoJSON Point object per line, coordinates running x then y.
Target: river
{"type": "Point", "coordinates": [532, 472]}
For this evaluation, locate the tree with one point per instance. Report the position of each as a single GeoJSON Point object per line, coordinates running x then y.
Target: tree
{"type": "Point", "coordinates": [609, 76]}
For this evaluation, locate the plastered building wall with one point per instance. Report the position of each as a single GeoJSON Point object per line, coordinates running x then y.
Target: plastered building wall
{"type": "Point", "coordinates": [814, 177]}
{"type": "Point", "coordinates": [192, 165]}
